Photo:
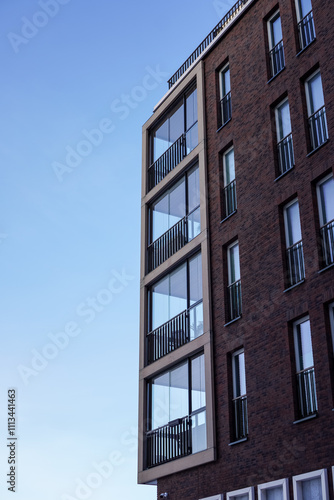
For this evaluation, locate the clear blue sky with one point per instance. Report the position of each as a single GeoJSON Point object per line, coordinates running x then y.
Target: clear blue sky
{"type": "Point", "coordinates": [70, 227]}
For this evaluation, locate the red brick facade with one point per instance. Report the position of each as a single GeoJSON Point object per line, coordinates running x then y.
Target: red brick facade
{"type": "Point", "coordinates": [276, 447]}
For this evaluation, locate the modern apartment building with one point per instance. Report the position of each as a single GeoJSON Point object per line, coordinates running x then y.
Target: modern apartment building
{"type": "Point", "coordinates": [236, 384]}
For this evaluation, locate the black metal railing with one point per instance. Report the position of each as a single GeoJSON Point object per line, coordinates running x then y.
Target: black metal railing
{"type": "Point", "coordinates": [168, 244]}
{"type": "Point", "coordinates": [276, 56]}
{"type": "Point", "coordinates": [307, 397]}
{"type": "Point", "coordinates": [167, 162]}
{"type": "Point", "coordinates": [318, 128]}
{"type": "Point", "coordinates": [173, 334]}
{"type": "Point", "coordinates": [295, 264]}
{"type": "Point", "coordinates": [234, 300]}
{"type": "Point", "coordinates": [169, 442]}
{"type": "Point", "coordinates": [327, 243]}
{"type": "Point", "coordinates": [206, 42]}
{"type": "Point", "coordinates": [240, 417]}
{"type": "Point", "coordinates": [306, 31]}
{"type": "Point", "coordinates": [286, 158]}
{"type": "Point", "coordinates": [225, 110]}
{"type": "Point", "coordinates": [230, 195]}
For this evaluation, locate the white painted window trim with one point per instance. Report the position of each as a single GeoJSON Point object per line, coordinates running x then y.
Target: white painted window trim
{"type": "Point", "coordinates": [245, 491]}
{"type": "Point", "coordinates": [215, 497]}
{"type": "Point", "coordinates": [273, 484]}
{"type": "Point", "coordinates": [297, 480]}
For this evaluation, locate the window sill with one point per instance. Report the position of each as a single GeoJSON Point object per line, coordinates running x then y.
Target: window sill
{"type": "Point", "coordinates": [239, 441]}
{"type": "Point", "coordinates": [284, 174]}
{"type": "Point", "coordinates": [233, 321]}
{"type": "Point", "coordinates": [232, 213]}
{"type": "Point", "coordinates": [307, 46]}
{"type": "Point", "coordinates": [315, 415]}
{"type": "Point", "coordinates": [222, 126]}
{"type": "Point", "coordinates": [273, 77]}
{"type": "Point", "coordinates": [325, 268]}
{"type": "Point", "coordinates": [293, 286]}
{"type": "Point", "coordinates": [316, 149]}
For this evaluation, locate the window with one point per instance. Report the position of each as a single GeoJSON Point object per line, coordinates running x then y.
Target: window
{"type": "Point", "coordinates": [240, 420]}
{"type": "Point", "coordinates": [229, 192]}
{"type": "Point", "coordinates": [174, 219]}
{"type": "Point", "coordinates": [276, 51]}
{"type": "Point", "coordinates": [225, 108]}
{"type": "Point", "coordinates": [275, 490]}
{"type": "Point", "coordinates": [173, 138]}
{"type": "Point", "coordinates": [306, 31]}
{"type": "Point", "coordinates": [284, 137]}
{"type": "Point", "coordinates": [175, 309]}
{"type": "Point", "coordinates": [306, 391]}
{"type": "Point", "coordinates": [234, 282]}
{"type": "Point", "coordinates": [177, 412]}
{"type": "Point", "coordinates": [215, 497]}
{"type": "Point", "coordinates": [316, 111]}
{"type": "Point", "coordinates": [294, 245]}
{"type": "Point", "coordinates": [244, 494]}
{"type": "Point", "coordinates": [311, 486]}
{"type": "Point", "coordinates": [331, 321]}
{"type": "Point", "coordinates": [325, 194]}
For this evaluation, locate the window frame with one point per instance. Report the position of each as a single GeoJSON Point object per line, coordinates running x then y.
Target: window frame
{"type": "Point", "coordinates": [233, 495]}
{"type": "Point", "coordinates": [319, 200]}
{"type": "Point", "coordinates": [297, 480]}
{"type": "Point", "coordinates": [286, 223]}
{"type": "Point", "coordinates": [270, 21]}
{"type": "Point", "coordinates": [274, 484]}
{"type": "Point", "coordinates": [234, 376]}
{"type": "Point", "coordinates": [229, 280]}
{"type": "Point", "coordinates": [296, 324]}
{"type": "Point", "coordinates": [214, 497]}
{"type": "Point", "coordinates": [308, 94]}
{"type": "Point", "coordinates": [223, 71]}
{"type": "Point", "coordinates": [299, 14]}
{"type": "Point", "coordinates": [279, 105]}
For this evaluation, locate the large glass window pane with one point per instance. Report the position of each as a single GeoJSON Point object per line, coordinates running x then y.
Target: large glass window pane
{"type": "Point", "coordinates": [160, 303]}
{"type": "Point", "coordinates": [196, 321]}
{"type": "Point", "coordinates": [229, 167]}
{"type": "Point", "coordinates": [239, 375]}
{"type": "Point", "coordinates": [176, 124]}
{"type": "Point", "coordinates": [315, 94]}
{"type": "Point", "coordinates": [225, 81]}
{"type": "Point", "coordinates": [160, 217]}
{"type": "Point", "coordinates": [276, 30]}
{"type": "Point", "coordinates": [197, 383]}
{"type": "Point", "coordinates": [304, 346]}
{"type": "Point", "coordinates": [195, 279]}
{"type": "Point", "coordinates": [304, 7]}
{"type": "Point", "coordinates": [311, 489]}
{"type": "Point", "coordinates": [326, 208]}
{"type": "Point", "coordinates": [177, 203]}
{"type": "Point", "coordinates": [179, 391]}
{"type": "Point", "coordinates": [193, 189]}
{"type": "Point", "coordinates": [198, 432]}
{"type": "Point", "coordinates": [283, 121]}
{"type": "Point", "coordinates": [293, 229]}
{"type": "Point", "coordinates": [160, 401]}
{"type": "Point", "coordinates": [233, 264]}
{"type": "Point", "coordinates": [275, 493]}
{"type": "Point", "coordinates": [191, 109]}
{"type": "Point", "coordinates": [178, 291]}
{"type": "Point", "coordinates": [160, 140]}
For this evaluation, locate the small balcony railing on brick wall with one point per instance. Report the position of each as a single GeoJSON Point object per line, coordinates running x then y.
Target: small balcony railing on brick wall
{"type": "Point", "coordinates": [234, 301]}
{"type": "Point", "coordinates": [167, 162]}
{"type": "Point", "coordinates": [295, 264]}
{"type": "Point", "coordinates": [307, 397]}
{"type": "Point", "coordinates": [225, 110]}
{"type": "Point", "coordinates": [318, 128]}
{"type": "Point", "coordinates": [175, 333]}
{"type": "Point", "coordinates": [276, 56]}
{"type": "Point", "coordinates": [230, 196]}
{"type": "Point", "coordinates": [240, 417]}
{"type": "Point", "coordinates": [169, 442]}
{"type": "Point", "coordinates": [285, 154]}
{"type": "Point", "coordinates": [306, 31]}
{"type": "Point", "coordinates": [229, 16]}
{"type": "Point", "coordinates": [327, 243]}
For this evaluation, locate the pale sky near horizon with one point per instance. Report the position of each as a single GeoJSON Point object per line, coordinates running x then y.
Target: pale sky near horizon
{"type": "Point", "coordinates": [78, 81]}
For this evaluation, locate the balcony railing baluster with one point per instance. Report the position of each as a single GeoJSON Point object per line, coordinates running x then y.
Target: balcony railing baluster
{"type": "Point", "coordinates": [166, 162]}
{"type": "Point", "coordinates": [230, 198]}
{"type": "Point", "coordinates": [240, 417]}
{"type": "Point", "coordinates": [174, 333]}
{"type": "Point", "coordinates": [318, 128]}
{"type": "Point", "coordinates": [225, 110]}
{"type": "Point", "coordinates": [327, 242]}
{"type": "Point", "coordinates": [285, 154]}
{"type": "Point", "coordinates": [277, 62]}
{"type": "Point", "coordinates": [306, 31]}
{"type": "Point", "coordinates": [307, 398]}
{"type": "Point", "coordinates": [295, 264]}
{"type": "Point", "coordinates": [234, 300]}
